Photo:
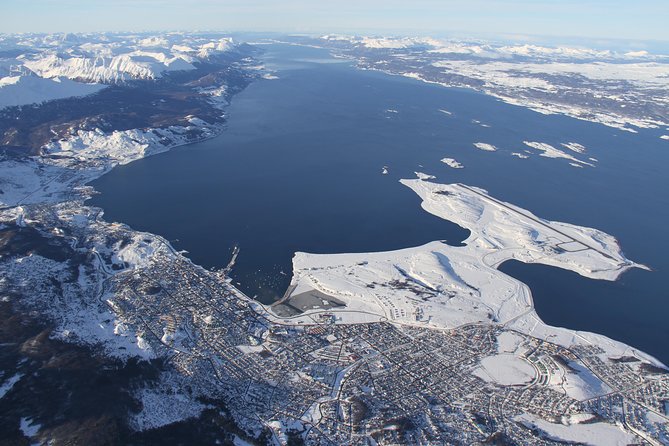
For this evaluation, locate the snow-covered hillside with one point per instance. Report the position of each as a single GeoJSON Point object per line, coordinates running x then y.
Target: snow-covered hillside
{"type": "Point", "coordinates": [38, 68]}
{"type": "Point", "coordinates": [491, 50]}
{"type": "Point", "coordinates": [622, 89]}
{"type": "Point", "coordinates": [21, 90]}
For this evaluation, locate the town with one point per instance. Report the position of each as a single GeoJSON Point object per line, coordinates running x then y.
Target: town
{"type": "Point", "coordinates": [342, 383]}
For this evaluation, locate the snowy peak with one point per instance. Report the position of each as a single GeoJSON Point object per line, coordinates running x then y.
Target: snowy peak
{"type": "Point", "coordinates": [490, 50]}
{"type": "Point", "coordinates": [103, 58]}
{"type": "Point", "coordinates": [38, 67]}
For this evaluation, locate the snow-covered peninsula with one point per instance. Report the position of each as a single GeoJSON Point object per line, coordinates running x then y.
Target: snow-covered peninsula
{"type": "Point", "coordinates": [443, 286]}
{"type": "Point", "coordinates": [456, 288]}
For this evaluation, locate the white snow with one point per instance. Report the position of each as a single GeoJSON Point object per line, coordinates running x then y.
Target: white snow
{"type": "Point", "coordinates": [81, 313]}
{"type": "Point", "coordinates": [237, 441]}
{"type": "Point", "coordinates": [451, 162]}
{"type": "Point", "coordinates": [29, 428]}
{"type": "Point", "coordinates": [134, 65]}
{"type": "Point", "coordinates": [488, 50]}
{"type": "Point", "coordinates": [24, 90]}
{"type": "Point", "coordinates": [508, 342]}
{"type": "Point", "coordinates": [105, 58]}
{"type": "Point", "coordinates": [536, 50]}
{"type": "Point", "coordinates": [640, 53]}
{"type": "Point", "coordinates": [506, 370]}
{"type": "Point", "coordinates": [549, 151]}
{"type": "Point", "coordinates": [580, 383]}
{"type": "Point", "coordinates": [9, 383]}
{"type": "Point", "coordinates": [424, 176]}
{"type": "Point", "coordinates": [279, 430]}
{"type": "Point", "coordinates": [574, 147]}
{"type": "Point", "coordinates": [485, 147]}
{"type": "Point", "coordinates": [215, 47]}
{"type": "Point", "coordinates": [51, 181]}
{"type": "Point", "coordinates": [514, 74]}
{"type": "Point", "coordinates": [22, 181]}
{"type": "Point", "coordinates": [137, 253]}
{"type": "Point", "coordinates": [163, 406]}
{"type": "Point", "coordinates": [462, 283]}
{"type": "Point", "coordinates": [154, 41]}
{"type": "Point", "coordinates": [477, 122]}
{"type": "Point", "coordinates": [122, 147]}
{"type": "Point", "coordinates": [512, 90]}
{"type": "Point", "coordinates": [595, 434]}
{"type": "Point", "coordinates": [385, 42]}
{"type": "Point", "coordinates": [9, 80]}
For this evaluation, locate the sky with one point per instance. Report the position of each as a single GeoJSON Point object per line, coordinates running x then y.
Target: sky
{"type": "Point", "coordinates": [594, 19]}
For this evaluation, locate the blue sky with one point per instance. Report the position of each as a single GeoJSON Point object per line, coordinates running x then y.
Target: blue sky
{"type": "Point", "coordinates": [630, 19]}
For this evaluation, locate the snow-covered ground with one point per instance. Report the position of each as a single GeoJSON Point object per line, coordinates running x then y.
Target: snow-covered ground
{"type": "Point", "coordinates": [424, 176]}
{"type": "Point", "coordinates": [451, 162]}
{"type": "Point", "coordinates": [549, 151]}
{"type": "Point", "coordinates": [80, 321]}
{"type": "Point", "coordinates": [485, 147]}
{"type": "Point", "coordinates": [544, 149]}
{"type": "Point", "coordinates": [574, 147]}
{"type": "Point", "coordinates": [7, 385]}
{"type": "Point", "coordinates": [604, 86]}
{"type": "Point", "coordinates": [506, 370]}
{"type": "Point", "coordinates": [113, 68]}
{"type": "Point", "coordinates": [36, 180]}
{"type": "Point", "coordinates": [438, 285]}
{"type": "Point", "coordinates": [163, 405]}
{"type": "Point", "coordinates": [29, 427]}
{"type": "Point", "coordinates": [122, 147]}
{"type": "Point", "coordinates": [23, 181]}
{"type": "Point", "coordinates": [54, 66]}
{"type": "Point", "coordinates": [494, 52]}
{"type": "Point", "coordinates": [22, 90]}
{"type": "Point", "coordinates": [595, 434]}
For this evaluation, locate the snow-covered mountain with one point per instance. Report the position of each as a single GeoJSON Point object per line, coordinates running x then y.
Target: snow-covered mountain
{"type": "Point", "coordinates": [20, 90]}
{"type": "Point", "coordinates": [36, 68]}
{"type": "Point", "coordinates": [491, 50]}
{"type": "Point", "coordinates": [622, 89]}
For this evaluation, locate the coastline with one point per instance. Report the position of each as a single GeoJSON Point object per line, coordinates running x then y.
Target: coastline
{"type": "Point", "coordinates": [370, 282]}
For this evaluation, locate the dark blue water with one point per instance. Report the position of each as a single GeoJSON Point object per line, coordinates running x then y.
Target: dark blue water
{"type": "Point", "coordinates": [299, 169]}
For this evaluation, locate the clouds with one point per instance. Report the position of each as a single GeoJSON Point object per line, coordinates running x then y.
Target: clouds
{"type": "Point", "coordinates": [643, 19]}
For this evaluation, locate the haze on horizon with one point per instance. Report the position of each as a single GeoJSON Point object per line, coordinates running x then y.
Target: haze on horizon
{"type": "Point", "coordinates": [643, 20]}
